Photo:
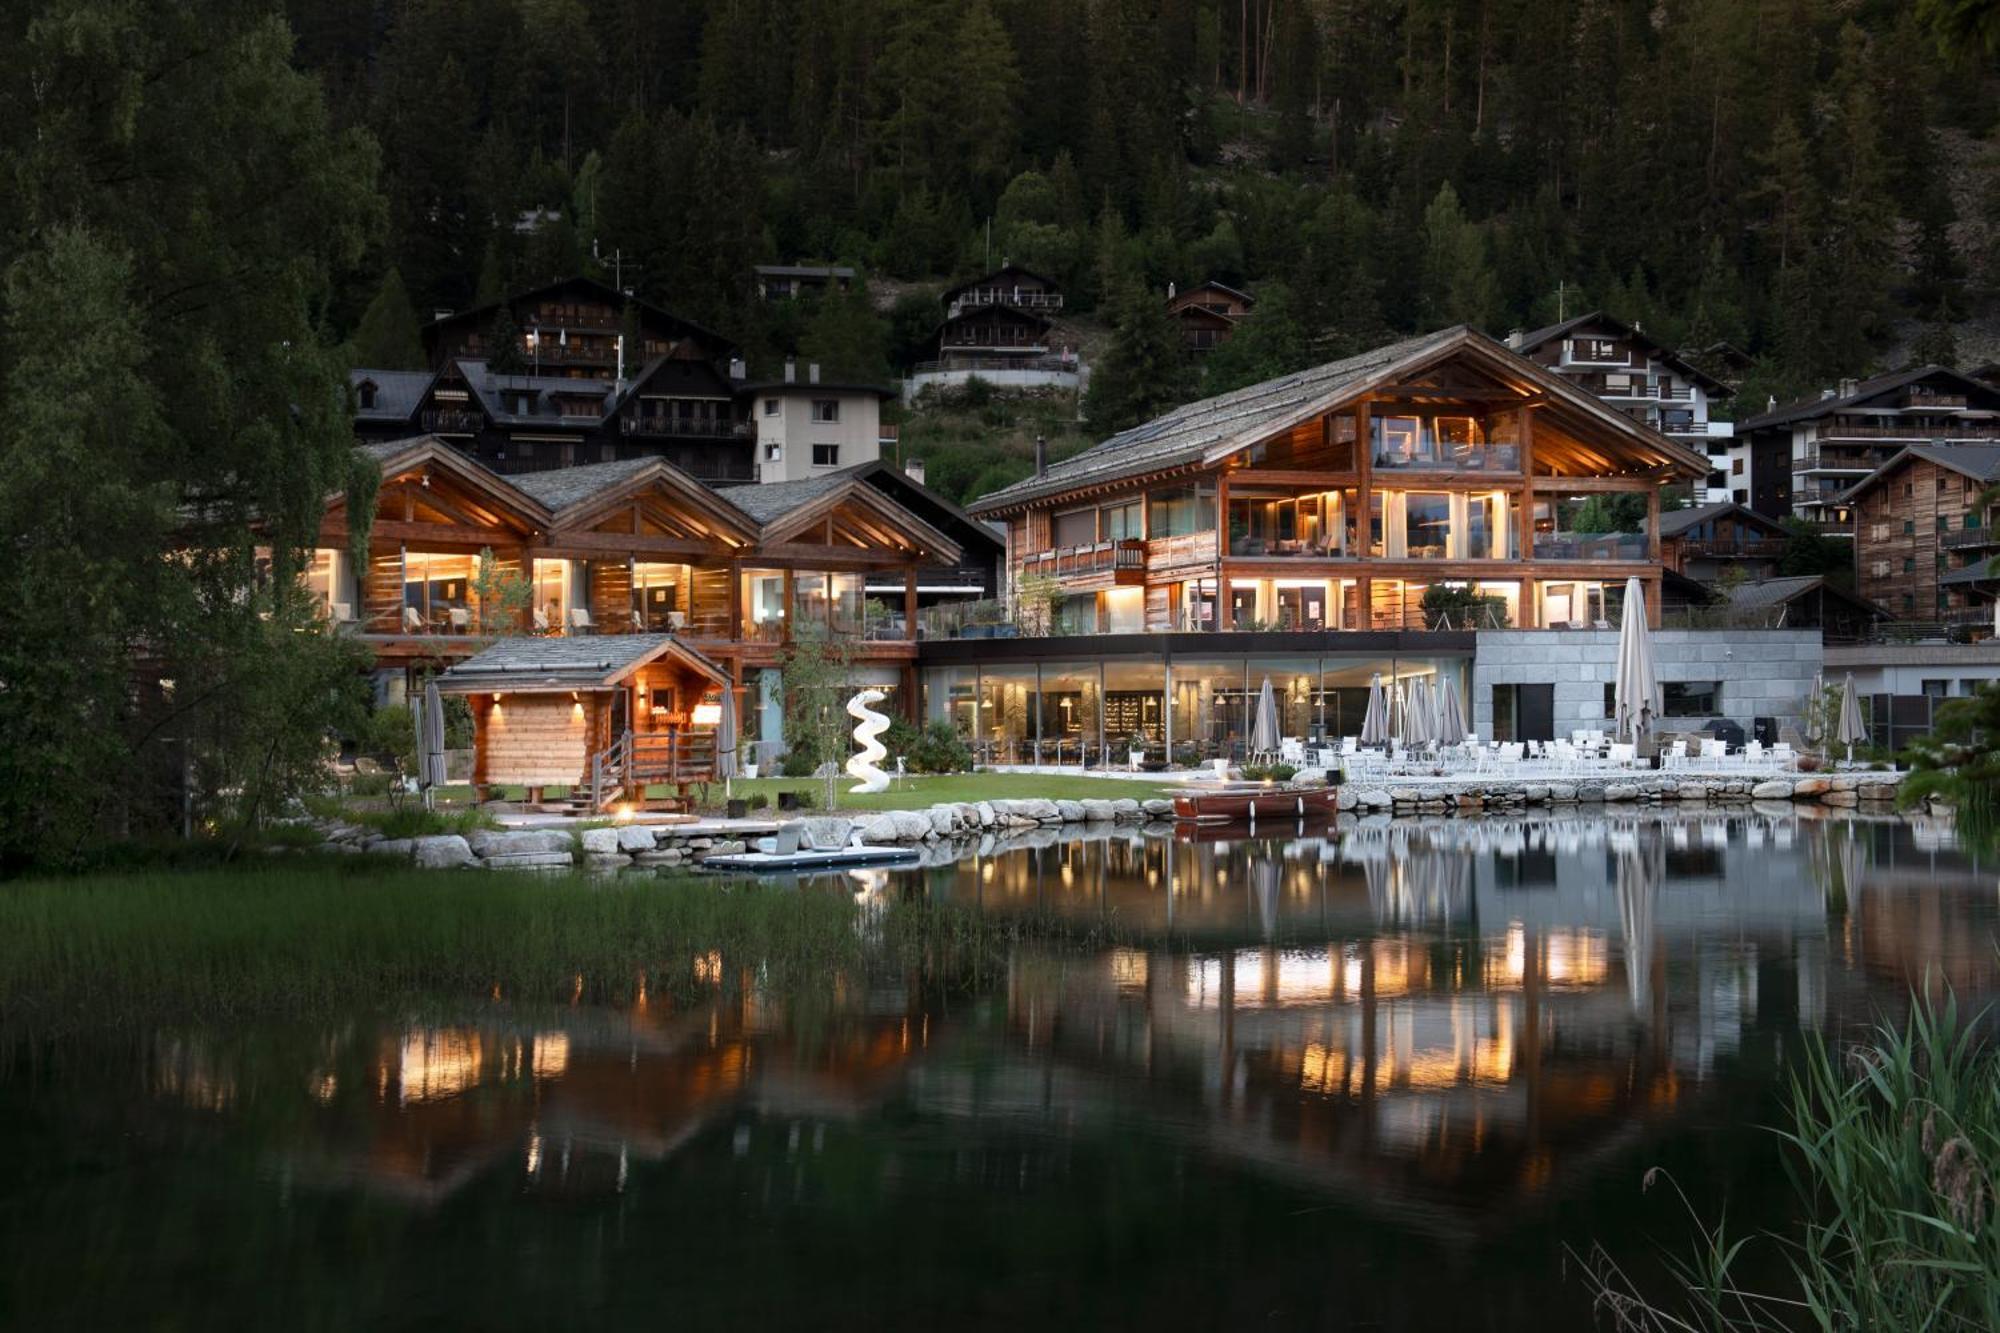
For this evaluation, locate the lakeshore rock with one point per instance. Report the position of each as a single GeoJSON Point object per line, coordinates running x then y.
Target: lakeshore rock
{"type": "Point", "coordinates": [634, 838]}
{"type": "Point", "coordinates": [443, 852]}
{"type": "Point", "coordinates": [1812, 787]}
{"type": "Point", "coordinates": [1098, 812]}
{"type": "Point", "coordinates": [526, 860]}
{"type": "Point", "coordinates": [599, 841]}
{"type": "Point", "coordinates": [1159, 809]}
{"type": "Point", "coordinates": [1071, 811]}
{"type": "Point", "coordinates": [488, 843]}
{"type": "Point", "coordinates": [1771, 789]}
{"type": "Point", "coordinates": [826, 832]}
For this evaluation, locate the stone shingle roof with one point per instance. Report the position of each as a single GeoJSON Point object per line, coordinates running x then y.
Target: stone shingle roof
{"type": "Point", "coordinates": [559, 488]}
{"type": "Point", "coordinates": [532, 662]}
{"type": "Point", "coordinates": [1979, 461]}
{"type": "Point", "coordinates": [1673, 522]}
{"type": "Point", "coordinates": [1773, 592]}
{"type": "Point", "coordinates": [1188, 432]}
{"type": "Point", "coordinates": [769, 501]}
{"type": "Point", "coordinates": [397, 393]}
{"type": "Point", "coordinates": [1803, 409]}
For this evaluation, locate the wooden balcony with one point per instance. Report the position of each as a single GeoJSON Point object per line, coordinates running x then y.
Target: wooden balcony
{"type": "Point", "coordinates": [1748, 548]}
{"type": "Point", "coordinates": [650, 425]}
{"type": "Point", "coordinates": [1961, 539]}
{"type": "Point", "coordinates": [1124, 560]}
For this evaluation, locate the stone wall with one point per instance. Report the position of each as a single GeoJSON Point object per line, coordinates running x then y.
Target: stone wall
{"type": "Point", "coordinates": [1763, 673]}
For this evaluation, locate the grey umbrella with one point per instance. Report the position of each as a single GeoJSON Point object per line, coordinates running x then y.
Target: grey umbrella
{"type": "Point", "coordinates": [1375, 724]}
{"type": "Point", "coordinates": [1451, 728]}
{"type": "Point", "coordinates": [430, 752]}
{"type": "Point", "coordinates": [1264, 729]}
{"type": "Point", "coordinates": [725, 739]}
{"type": "Point", "coordinates": [1853, 730]}
{"type": "Point", "coordinates": [1417, 712]}
{"type": "Point", "coordinates": [1638, 912]}
{"type": "Point", "coordinates": [1636, 686]}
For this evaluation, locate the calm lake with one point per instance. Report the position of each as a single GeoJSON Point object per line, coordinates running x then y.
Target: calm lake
{"type": "Point", "coordinates": [1384, 1080]}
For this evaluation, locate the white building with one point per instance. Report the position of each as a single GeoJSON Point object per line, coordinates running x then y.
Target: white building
{"type": "Point", "coordinates": [808, 427]}
{"type": "Point", "coordinates": [1652, 383]}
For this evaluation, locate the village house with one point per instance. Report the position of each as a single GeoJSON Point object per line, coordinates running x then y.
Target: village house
{"type": "Point", "coordinates": [1806, 455]}
{"type": "Point", "coordinates": [1649, 382]}
{"type": "Point", "coordinates": [1207, 314]}
{"type": "Point", "coordinates": [1000, 328]}
{"type": "Point", "coordinates": [1925, 540]}
{"type": "Point", "coordinates": [791, 282]}
{"type": "Point", "coordinates": [1707, 542]}
{"type": "Point", "coordinates": [807, 425]}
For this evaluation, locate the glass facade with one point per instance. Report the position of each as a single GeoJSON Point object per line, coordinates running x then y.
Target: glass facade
{"type": "Point", "coordinates": [1195, 709]}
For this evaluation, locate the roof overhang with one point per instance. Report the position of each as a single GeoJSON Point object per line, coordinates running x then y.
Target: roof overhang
{"type": "Point", "coordinates": [505, 671]}
{"type": "Point", "coordinates": [921, 534]}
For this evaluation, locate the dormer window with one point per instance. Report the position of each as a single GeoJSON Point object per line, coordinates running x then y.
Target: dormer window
{"type": "Point", "coordinates": [366, 393]}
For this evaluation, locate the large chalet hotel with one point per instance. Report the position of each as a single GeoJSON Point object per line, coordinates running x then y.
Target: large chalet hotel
{"type": "Point", "coordinates": [1442, 506]}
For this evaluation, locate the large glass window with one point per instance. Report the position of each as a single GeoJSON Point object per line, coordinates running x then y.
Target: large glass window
{"type": "Point", "coordinates": [1690, 698]}
{"type": "Point", "coordinates": [951, 694]}
{"type": "Point", "coordinates": [1181, 511]}
{"type": "Point", "coordinates": [1427, 524]}
{"type": "Point", "coordinates": [1125, 521]}
{"type": "Point", "coordinates": [1070, 713]}
{"type": "Point", "coordinates": [1009, 700]}
{"type": "Point", "coordinates": [1295, 689]}
{"type": "Point", "coordinates": [1209, 713]}
{"type": "Point", "coordinates": [660, 595]}
{"type": "Point", "coordinates": [1135, 707]}
{"type": "Point", "coordinates": [1077, 527]}
{"type": "Point", "coordinates": [1077, 614]}
{"type": "Point", "coordinates": [764, 604]}
{"type": "Point", "coordinates": [438, 590]}
{"type": "Point", "coordinates": [1124, 610]}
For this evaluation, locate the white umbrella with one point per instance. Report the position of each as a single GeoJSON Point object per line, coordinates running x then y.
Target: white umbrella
{"type": "Point", "coordinates": [1451, 728]}
{"type": "Point", "coordinates": [1264, 728]}
{"type": "Point", "coordinates": [1636, 687]}
{"type": "Point", "coordinates": [1375, 725]}
{"type": "Point", "coordinates": [1638, 912]}
{"type": "Point", "coordinates": [1852, 729]}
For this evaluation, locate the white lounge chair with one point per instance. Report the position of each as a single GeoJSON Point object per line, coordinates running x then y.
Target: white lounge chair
{"type": "Point", "coordinates": [413, 620]}
{"type": "Point", "coordinates": [579, 620]}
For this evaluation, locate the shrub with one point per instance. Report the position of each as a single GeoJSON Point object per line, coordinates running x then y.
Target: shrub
{"type": "Point", "coordinates": [369, 784]}
{"type": "Point", "coordinates": [758, 800]}
{"type": "Point", "coordinates": [1270, 772]}
{"type": "Point", "coordinates": [940, 749]}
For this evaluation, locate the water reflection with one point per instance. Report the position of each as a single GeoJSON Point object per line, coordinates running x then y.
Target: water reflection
{"type": "Point", "coordinates": [1432, 1031]}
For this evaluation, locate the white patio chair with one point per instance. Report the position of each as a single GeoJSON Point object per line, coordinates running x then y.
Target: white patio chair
{"type": "Point", "coordinates": [1623, 755]}
{"type": "Point", "coordinates": [541, 621]}
{"type": "Point", "coordinates": [1292, 751]}
{"type": "Point", "coordinates": [1675, 757]}
{"type": "Point", "coordinates": [580, 621]}
{"type": "Point", "coordinates": [413, 620]}
{"type": "Point", "coordinates": [1783, 756]}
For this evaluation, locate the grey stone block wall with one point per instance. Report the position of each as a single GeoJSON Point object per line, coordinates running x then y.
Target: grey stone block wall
{"type": "Point", "coordinates": [1763, 673]}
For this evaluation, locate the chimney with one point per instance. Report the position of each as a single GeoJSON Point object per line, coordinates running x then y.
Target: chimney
{"type": "Point", "coordinates": [914, 470]}
{"type": "Point", "coordinates": [1515, 337]}
{"type": "Point", "coordinates": [738, 370]}
{"type": "Point", "coordinates": [1847, 387]}
{"type": "Point", "coordinates": [1771, 403]}
{"type": "Point", "coordinates": [791, 370]}
{"type": "Point", "coordinates": [1041, 456]}
{"type": "Point", "coordinates": [1170, 291]}
{"type": "Point", "coordinates": [1825, 394]}
{"type": "Point", "coordinates": [812, 373]}
{"type": "Point", "coordinates": [442, 312]}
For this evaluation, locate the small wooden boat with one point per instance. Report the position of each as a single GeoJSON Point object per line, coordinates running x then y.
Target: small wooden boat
{"type": "Point", "coordinates": [1248, 802]}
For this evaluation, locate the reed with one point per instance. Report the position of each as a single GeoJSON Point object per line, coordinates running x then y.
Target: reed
{"type": "Point", "coordinates": [1892, 1150]}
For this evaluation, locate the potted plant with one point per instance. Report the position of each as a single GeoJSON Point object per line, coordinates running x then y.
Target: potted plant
{"type": "Point", "coordinates": [1136, 746]}
{"type": "Point", "coordinates": [737, 807]}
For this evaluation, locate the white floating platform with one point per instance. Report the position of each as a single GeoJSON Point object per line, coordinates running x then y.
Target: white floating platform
{"type": "Point", "coordinates": [772, 863]}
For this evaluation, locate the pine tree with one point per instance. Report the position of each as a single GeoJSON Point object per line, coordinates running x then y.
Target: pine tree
{"type": "Point", "coordinates": [1458, 283]}
{"type": "Point", "coordinates": [1145, 371]}
{"type": "Point", "coordinates": [847, 339]}
{"type": "Point", "coordinates": [503, 344]}
{"type": "Point", "coordinates": [388, 337]}
{"type": "Point", "coordinates": [986, 94]}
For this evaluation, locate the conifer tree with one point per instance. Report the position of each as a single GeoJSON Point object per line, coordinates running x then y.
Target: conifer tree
{"type": "Point", "coordinates": [1145, 371]}
{"type": "Point", "coordinates": [388, 337]}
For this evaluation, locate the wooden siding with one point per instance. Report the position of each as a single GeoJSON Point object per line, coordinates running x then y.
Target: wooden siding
{"type": "Point", "coordinates": [534, 740]}
{"type": "Point", "coordinates": [611, 595]}
{"type": "Point", "coordinates": [1883, 548]}
{"type": "Point", "coordinates": [382, 591]}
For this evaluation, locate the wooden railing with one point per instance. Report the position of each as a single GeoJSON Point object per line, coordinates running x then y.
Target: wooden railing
{"type": "Point", "coordinates": [1093, 559]}
{"type": "Point", "coordinates": [714, 428]}
{"type": "Point", "coordinates": [1742, 548]}
{"type": "Point", "coordinates": [1961, 538]}
{"type": "Point", "coordinates": [636, 761]}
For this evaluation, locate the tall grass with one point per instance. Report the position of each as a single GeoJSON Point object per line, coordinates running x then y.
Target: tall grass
{"type": "Point", "coordinates": [1892, 1148]}
{"type": "Point", "coordinates": [228, 944]}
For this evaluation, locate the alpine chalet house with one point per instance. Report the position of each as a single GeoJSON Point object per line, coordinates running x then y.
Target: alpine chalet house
{"type": "Point", "coordinates": [1649, 382]}
{"type": "Point", "coordinates": [1000, 328]}
{"type": "Point", "coordinates": [1806, 455]}
{"type": "Point", "coordinates": [1702, 541]}
{"type": "Point", "coordinates": [1208, 314]}
{"type": "Point", "coordinates": [1926, 540]}
{"type": "Point", "coordinates": [1358, 520]}
{"type": "Point", "coordinates": [634, 547]}
{"type": "Point", "coordinates": [596, 376]}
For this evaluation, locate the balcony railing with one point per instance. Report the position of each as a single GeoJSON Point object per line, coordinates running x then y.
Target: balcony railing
{"type": "Point", "coordinates": [1840, 460]}
{"type": "Point", "coordinates": [1960, 539]}
{"type": "Point", "coordinates": [452, 421]}
{"type": "Point", "coordinates": [1030, 359]}
{"type": "Point", "coordinates": [1441, 457]}
{"type": "Point", "coordinates": [1913, 431]}
{"type": "Point", "coordinates": [1592, 546]}
{"type": "Point", "coordinates": [651, 425]}
{"type": "Point", "coordinates": [981, 298]}
{"type": "Point", "coordinates": [1747, 548]}
{"type": "Point", "coordinates": [1075, 560]}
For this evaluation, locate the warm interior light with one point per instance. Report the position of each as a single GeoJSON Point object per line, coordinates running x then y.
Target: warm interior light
{"type": "Point", "coordinates": [707, 715]}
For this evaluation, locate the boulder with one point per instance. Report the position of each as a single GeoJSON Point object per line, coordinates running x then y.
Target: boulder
{"type": "Point", "coordinates": [443, 852]}
{"type": "Point", "coordinates": [634, 838]}
{"type": "Point", "coordinates": [727, 847]}
{"type": "Point", "coordinates": [1036, 809]}
{"type": "Point", "coordinates": [1876, 791]}
{"type": "Point", "coordinates": [606, 860]}
{"type": "Point", "coordinates": [825, 832]}
{"type": "Point", "coordinates": [1840, 798]}
{"type": "Point", "coordinates": [1535, 793]}
{"type": "Point", "coordinates": [1071, 811]}
{"type": "Point", "coordinates": [526, 860]}
{"type": "Point", "coordinates": [1772, 789]}
{"type": "Point", "coordinates": [1562, 793]}
{"type": "Point", "coordinates": [1159, 808]}
{"type": "Point", "coordinates": [1812, 787]}
{"type": "Point", "coordinates": [600, 842]}
{"type": "Point", "coordinates": [988, 816]}
{"type": "Point", "coordinates": [943, 820]}
{"type": "Point", "coordinates": [393, 847]}
{"type": "Point", "coordinates": [1098, 812]}
{"type": "Point", "coordinates": [1692, 791]}
{"type": "Point", "coordinates": [519, 842]}
{"type": "Point", "coordinates": [1374, 798]}
{"type": "Point", "coordinates": [352, 848]}
{"type": "Point", "coordinates": [1615, 792]}
{"type": "Point", "coordinates": [1590, 791]}
{"type": "Point", "coordinates": [1125, 809]}
{"type": "Point", "coordinates": [671, 856]}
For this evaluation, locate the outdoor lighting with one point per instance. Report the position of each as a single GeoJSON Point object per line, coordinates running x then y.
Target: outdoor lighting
{"type": "Point", "coordinates": [707, 715]}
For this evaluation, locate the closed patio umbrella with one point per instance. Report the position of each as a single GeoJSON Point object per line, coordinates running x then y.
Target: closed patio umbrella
{"type": "Point", "coordinates": [1636, 686]}
{"type": "Point", "coordinates": [1375, 723]}
{"type": "Point", "coordinates": [1264, 728]}
{"type": "Point", "coordinates": [1638, 912]}
{"type": "Point", "coordinates": [725, 740]}
{"type": "Point", "coordinates": [1852, 730]}
{"type": "Point", "coordinates": [430, 748]}
{"type": "Point", "coordinates": [1451, 728]}
{"type": "Point", "coordinates": [1417, 712]}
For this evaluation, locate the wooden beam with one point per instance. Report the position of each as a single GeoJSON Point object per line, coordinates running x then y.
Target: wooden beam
{"type": "Point", "coordinates": [910, 602]}
{"type": "Point", "coordinates": [618, 543]}
{"type": "Point", "coordinates": [1633, 484]}
{"type": "Point", "coordinates": [1364, 459]}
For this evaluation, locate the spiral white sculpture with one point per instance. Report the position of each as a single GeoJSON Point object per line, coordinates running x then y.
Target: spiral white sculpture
{"type": "Point", "coordinates": [869, 724]}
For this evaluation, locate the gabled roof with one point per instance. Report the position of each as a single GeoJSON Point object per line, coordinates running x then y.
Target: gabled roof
{"type": "Point", "coordinates": [781, 506]}
{"type": "Point", "coordinates": [1211, 285]}
{"type": "Point", "coordinates": [1213, 428]}
{"type": "Point", "coordinates": [535, 663]}
{"type": "Point", "coordinates": [480, 316]}
{"type": "Point", "coordinates": [1804, 409]}
{"type": "Point", "coordinates": [570, 492]}
{"type": "Point", "coordinates": [1620, 329]}
{"type": "Point", "coordinates": [813, 386]}
{"type": "Point", "coordinates": [805, 271]}
{"type": "Point", "coordinates": [1768, 593]}
{"type": "Point", "coordinates": [1674, 522]}
{"type": "Point", "coordinates": [1981, 462]}
{"type": "Point", "coordinates": [394, 456]}
{"type": "Point", "coordinates": [397, 393]}
{"type": "Point", "coordinates": [1006, 272]}
{"type": "Point", "coordinates": [903, 488]}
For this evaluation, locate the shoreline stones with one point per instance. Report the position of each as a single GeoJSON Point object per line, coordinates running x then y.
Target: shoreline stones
{"type": "Point", "coordinates": [614, 847]}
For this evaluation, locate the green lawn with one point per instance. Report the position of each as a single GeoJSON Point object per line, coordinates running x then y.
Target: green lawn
{"type": "Point", "coordinates": [914, 793]}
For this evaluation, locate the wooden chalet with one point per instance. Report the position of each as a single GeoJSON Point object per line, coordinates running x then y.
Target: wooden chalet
{"type": "Point", "coordinates": [1334, 498]}
{"type": "Point", "coordinates": [1702, 541]}
{"type": "Point", "coordinates": [1925, 538]}
{"type": "Point", "coordinates": [636, 548]}
{"type": "Point", "coordinates": [1208, 314]}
